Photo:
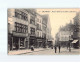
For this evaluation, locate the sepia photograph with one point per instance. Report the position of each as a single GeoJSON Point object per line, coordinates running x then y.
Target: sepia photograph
{"type": "Point", "coordinates": [41, 31]}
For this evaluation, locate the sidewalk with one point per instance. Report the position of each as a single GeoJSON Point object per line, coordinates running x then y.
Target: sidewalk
{"type": "Point", "coordinates": [18, 52]}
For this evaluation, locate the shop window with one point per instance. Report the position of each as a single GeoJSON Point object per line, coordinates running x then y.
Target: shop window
{"type": "Point", "coordinates": [21, 42]}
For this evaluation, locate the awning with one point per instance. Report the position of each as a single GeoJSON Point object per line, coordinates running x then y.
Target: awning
{"type": "Point", "coordinates": [74, 41]}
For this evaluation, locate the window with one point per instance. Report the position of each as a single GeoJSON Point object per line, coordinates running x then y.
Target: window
{"type": "Point", "coordinates": [37, 20]}
{"type": "Point", "coordinates": [32, 20]}
{"type": "Point", "coordinates": [37, 34]}
{"type": "Point", "coordinates": [21, 15]}
{"type": "Point", "coordinates": [44, 28]}
{"type": "Point", "coordinates": [17, 14]}
{"type": "Point", "coordinates": [16, 26]}
{"type": "Point", "coordinates": [21, 28]}
{"type": "Point", "coordinates": [21, 42]}
{"type": "Point", "coordinates": [32, 30]}
{"type": "Point", "coordinates": [40, 20]}
{"type": "Point", "coordinates": [26, 29]}
{"type": "Point", "coordinates": [44, 35]}
{"type": "Point", "coordinates": [37, 26]}
{"type": "Point", "coordinates": [24, 16]}
{"type": "Point", "coordinates": [40, 27]}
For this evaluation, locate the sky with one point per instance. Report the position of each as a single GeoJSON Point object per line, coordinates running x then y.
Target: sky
{"type": "Point", "coordinates": [59, 17]}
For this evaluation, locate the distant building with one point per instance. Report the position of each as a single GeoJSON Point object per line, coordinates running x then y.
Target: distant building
{"type": "Point", "coordinates": [48, 33]}
{"type": "Point", "coordinates": [64, 35]}
{"type": "Point", "coordinates": [44, 29]}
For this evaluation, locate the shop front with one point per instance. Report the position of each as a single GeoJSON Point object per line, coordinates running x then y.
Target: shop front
{"type": "Point", "coordinates": [19, 41]}
{"type": "Point", "coordinates": [32, 41]}
{"type": "Point", "coordinates": [39, 42]}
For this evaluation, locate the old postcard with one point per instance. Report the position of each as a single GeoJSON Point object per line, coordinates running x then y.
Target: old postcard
{"type": "Point", "coordinates": [43, 31]}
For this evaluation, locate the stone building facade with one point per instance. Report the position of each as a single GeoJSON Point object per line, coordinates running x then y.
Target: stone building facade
{"type": "Point", "coordinates": [27, 28]}
{"type": "Point", "coordinates": [18, 28]}
{"type": "Point", "coordinates": [39, 30]}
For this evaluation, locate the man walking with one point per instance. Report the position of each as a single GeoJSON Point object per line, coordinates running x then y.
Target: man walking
{"type": "Point", "coordinates": [59, 48]}
{"type": "Point", "coordinates": [55, 48]}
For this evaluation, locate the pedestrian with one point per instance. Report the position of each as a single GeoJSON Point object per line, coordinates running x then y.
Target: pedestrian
{"type": "Point", "coordinates": [32, 48]}
{"type": "Point", "coordinates": [51, 47]}
{"type": "Point", "coordinates": [55, 48]}
{"type": "Point", "coordinates": [59, 48]}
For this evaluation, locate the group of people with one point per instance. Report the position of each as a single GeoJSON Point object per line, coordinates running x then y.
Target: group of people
{"type": "Point", "coordinates": [55, 47]}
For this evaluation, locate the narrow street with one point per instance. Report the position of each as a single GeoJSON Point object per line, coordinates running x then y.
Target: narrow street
{"type": "Point", "coordinates": [64, 51]}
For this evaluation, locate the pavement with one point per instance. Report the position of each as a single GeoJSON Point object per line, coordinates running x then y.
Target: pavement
{"type": "Point", "coordinates": [45, 51]}
{"type": "Point", "coordinates": [19, 52]}
{"type": "Point", "coordinates": [63, 51]}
